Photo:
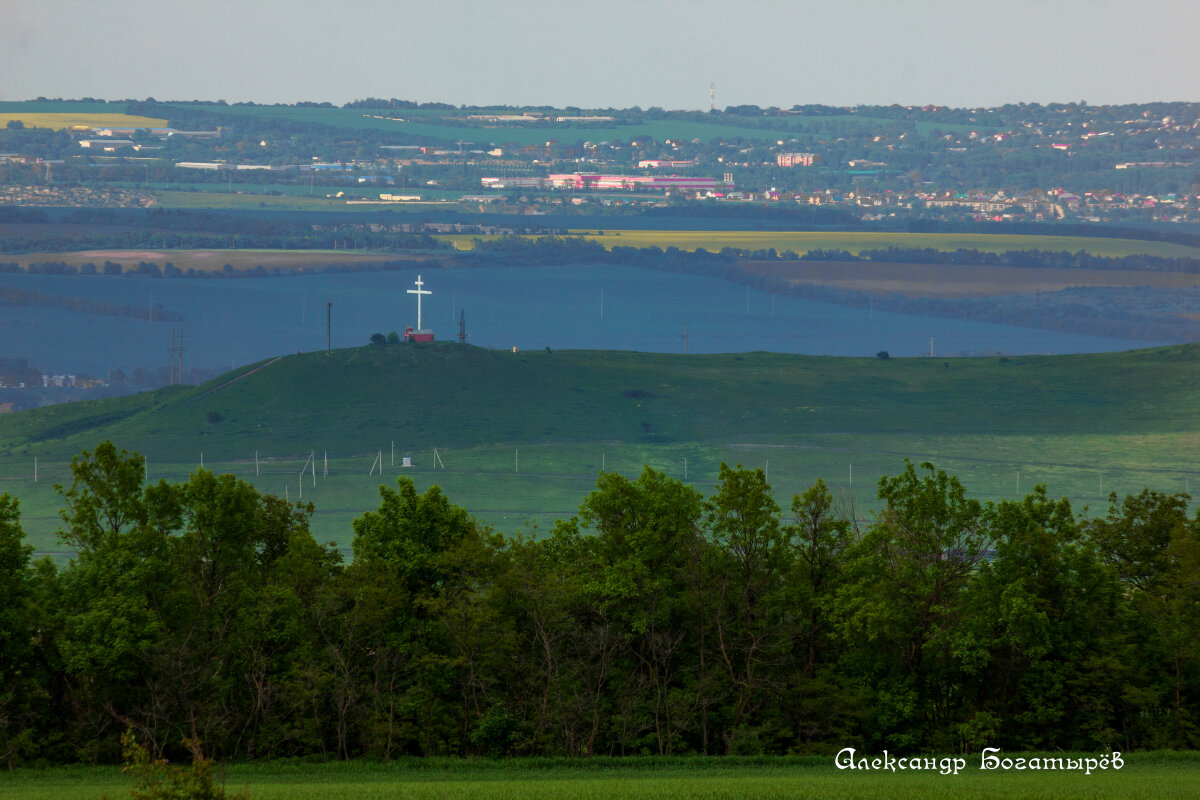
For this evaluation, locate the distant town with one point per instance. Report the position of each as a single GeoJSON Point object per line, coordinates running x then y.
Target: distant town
{"type": "Point", "coordinates": [1028, 162]}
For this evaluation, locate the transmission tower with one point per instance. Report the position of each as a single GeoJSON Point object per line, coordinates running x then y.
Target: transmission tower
{"type": "Point", "coordinates": [462, 326]}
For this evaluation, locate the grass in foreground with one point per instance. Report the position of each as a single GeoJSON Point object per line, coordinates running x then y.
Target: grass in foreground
{"type": "Point", "coordinates": [1153, 775]}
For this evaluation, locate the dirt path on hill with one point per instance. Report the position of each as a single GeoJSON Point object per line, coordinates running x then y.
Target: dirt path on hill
{"type": "Point", "coordinates": [246, 374]}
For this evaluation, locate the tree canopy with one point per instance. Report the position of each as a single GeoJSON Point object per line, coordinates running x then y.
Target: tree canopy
{"type": "Point", "coordinates": [656, 621]}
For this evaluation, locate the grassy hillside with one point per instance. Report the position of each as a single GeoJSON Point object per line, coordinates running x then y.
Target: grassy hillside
{"type": "Point", "coordinates": [449, 126]}
{"type": "Point", "coordinates": [522, 435]}
{"type": "Point", "coordinates": [468, 396]}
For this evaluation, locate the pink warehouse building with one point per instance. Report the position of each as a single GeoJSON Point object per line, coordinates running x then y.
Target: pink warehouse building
{"type": "Point", "coordinates": [596, 181]}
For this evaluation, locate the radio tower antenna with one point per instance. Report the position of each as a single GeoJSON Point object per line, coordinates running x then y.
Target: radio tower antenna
{"type": "Point", "coordinates": [462, 326]}
{"type": "Point", "coordinates": [712, 97]}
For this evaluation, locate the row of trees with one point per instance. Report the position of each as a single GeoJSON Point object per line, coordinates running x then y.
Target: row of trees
{"type": "Point", "coordinates": [1043, 259]}
{"type": "Point", "coordinates": [656, 621]}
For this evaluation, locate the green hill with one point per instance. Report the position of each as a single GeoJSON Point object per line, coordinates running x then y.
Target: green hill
{"type": "Point", "coordinates": [521, 434]}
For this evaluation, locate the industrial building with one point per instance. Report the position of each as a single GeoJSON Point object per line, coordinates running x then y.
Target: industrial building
{"type": "Point", "coordinates": [598, 182]}
{"type": "Point", "coordinates": [795, 159]}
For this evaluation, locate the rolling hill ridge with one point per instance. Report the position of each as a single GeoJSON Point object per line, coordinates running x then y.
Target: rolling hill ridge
{"type": "Point", "coordinates": [455, 395]}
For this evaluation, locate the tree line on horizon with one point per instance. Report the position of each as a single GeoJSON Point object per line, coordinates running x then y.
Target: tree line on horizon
{"type": "Point", "coordinates": [656, 621]}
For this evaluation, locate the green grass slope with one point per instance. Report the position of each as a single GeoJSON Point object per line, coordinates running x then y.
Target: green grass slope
{"type": "Point", "coordinates": [463, 396]}
{"type": "Point", "coordinates": [522, 436]}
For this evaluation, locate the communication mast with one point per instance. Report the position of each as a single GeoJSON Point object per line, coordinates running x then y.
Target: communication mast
{"type": "Point", "coordinates": [176, 353]}
{"type": "Point", "coordinates": [712, 97]}
{"type": "Point", "coordinates": [462, 326]}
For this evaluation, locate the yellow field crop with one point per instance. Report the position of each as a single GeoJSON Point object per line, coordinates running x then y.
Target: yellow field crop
{"type": "Point", "coordinates": [82, 121]}
{"type": "Point", "coordinates": [856, 241]}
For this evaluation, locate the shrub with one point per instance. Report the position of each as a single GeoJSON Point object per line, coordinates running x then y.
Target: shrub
{"type": "Point", "coordinates": [156, 780]}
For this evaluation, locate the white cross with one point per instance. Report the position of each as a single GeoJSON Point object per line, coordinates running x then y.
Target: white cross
{"type": "Point", "coordinates": [418, 292]}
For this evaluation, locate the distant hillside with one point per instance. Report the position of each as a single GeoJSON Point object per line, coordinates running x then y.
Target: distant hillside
{"type": "Point", "coordinates": [454, 395]}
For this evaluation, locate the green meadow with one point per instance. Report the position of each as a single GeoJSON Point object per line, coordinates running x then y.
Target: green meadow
{"type": "Point", "coordinates": [1162, 776]}
{"type": "Point", "coordinates": [450, 126]}
{"type": "Point", "coordinates": [520, 438]}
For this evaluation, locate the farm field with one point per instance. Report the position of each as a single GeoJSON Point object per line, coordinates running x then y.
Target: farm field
{"type": "Point", "coordinates": [416, 124]}
{"type": "Point", "coordinates": [856, 241]}
{"type": "Point", "coordinates": [74, 119]}
{"type": "Point", "coordinates": [215, 260]}
{"type": "Point", "coordinates": [958, 280]}
{"type": "Point", "coordinates": [289, 190]}
{"type": "Point", "coordinates": [1162, 776]}
{"type": "Point", "coordinates": [276, 202]}
{"type": "Point", "coordinates": [521, 440]}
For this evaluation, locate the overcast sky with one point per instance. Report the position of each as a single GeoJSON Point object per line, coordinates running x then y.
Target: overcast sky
{"type": "Point", "coordinates": [614, 53]}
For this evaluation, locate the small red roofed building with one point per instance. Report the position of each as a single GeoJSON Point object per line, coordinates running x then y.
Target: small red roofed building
{"type": "Point", "coordinates": [411, 335]}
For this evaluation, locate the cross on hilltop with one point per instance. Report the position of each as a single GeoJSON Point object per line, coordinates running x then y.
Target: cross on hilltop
{"type": "Point", "coordinates": [418, 292]}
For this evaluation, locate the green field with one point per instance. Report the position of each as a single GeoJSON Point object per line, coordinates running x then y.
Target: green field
{"type": "Point", "coordinates": [857, 241]}
{"type": "Point", "coordinates": [522, 437]}
{"type": "Point", "coordinates": [449, 126]}
{"type": "Point", "coordinates": [1162, 776]}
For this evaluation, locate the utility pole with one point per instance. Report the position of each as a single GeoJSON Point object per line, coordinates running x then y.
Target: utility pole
{"type": "Point", "coordinates": [329, 325]}
{"type": "Point", "coordinates": [171, 380]}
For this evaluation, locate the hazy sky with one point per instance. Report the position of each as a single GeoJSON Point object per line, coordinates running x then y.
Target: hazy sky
{"type": "Point", "coordinates": [614, 53]}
